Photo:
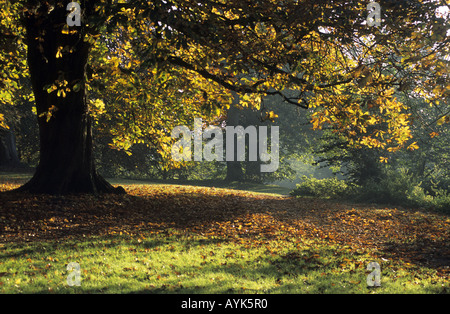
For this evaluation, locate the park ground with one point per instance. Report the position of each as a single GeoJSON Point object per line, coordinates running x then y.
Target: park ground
{"type": "Point", "coordinates": [216, 238]}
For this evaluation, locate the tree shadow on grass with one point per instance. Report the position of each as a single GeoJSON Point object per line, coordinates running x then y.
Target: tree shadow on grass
{"type": "Point", "coordinates": [271, 275]}
{"type": "Point", "coordinates": [423, 252]}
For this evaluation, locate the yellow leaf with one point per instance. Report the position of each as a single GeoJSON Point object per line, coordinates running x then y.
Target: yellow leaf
{"type": "Point", "coordinates": [443, 120]}
{"type": "Point", "coordinates": [413, 146]}
{"type": "Point", "coordinates": [2, 122]}
{"type": "Point", "coordinates": [59, 53]}
{"type": "Point", "coordinates": [434, 134]}
{"type": "Point", "coordinates": [65, 29]}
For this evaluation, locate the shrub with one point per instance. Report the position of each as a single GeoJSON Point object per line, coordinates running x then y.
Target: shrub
{"type": "Point", "coordinates": [399, 187]}
{"type": "Point", "coordinates": [394, 187]}
{"type": "Point", "coordinates": [324, 188]}
{"type": "Point", "coordinates": [441, 201]}
{"type": "Point", "coordinates": [438, 200]}
{"type": "Point", "coordinates": [418, 197]}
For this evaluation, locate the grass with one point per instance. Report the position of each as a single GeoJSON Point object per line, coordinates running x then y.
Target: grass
{"type": "Point", "coordinates": [235, 185]}
{"type": "Point", "coordinates": [192, 239]}
{"type": "Point", "coordinates": [175, 262]}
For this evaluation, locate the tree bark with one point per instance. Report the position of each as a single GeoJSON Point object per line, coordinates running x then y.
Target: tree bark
{"type": "Point", "coordinates": [66, 162]}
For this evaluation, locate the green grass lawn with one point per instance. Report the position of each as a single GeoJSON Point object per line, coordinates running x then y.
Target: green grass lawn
{"type": "Point", "coordinates": [177, 262]}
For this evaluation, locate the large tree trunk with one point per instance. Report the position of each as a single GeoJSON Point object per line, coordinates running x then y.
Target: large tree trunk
{"type": "Point", "coordinates": [66, 162]}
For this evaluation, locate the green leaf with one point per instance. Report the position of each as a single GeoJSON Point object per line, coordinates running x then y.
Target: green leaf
{"type": "Point", "coordinates": [76, 88]}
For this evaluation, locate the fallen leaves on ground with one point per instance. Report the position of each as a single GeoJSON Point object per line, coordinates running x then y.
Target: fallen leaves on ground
{"type": "Point", "coordinates": [414, 236]}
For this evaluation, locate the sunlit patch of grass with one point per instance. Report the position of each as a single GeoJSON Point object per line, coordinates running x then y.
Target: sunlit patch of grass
{"type": "Point", "coordinates": [176, 261]}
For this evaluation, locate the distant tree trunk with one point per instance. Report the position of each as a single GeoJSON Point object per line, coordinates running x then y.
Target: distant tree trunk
{"type": "Point", "coordinates": [421, 164]}
{"type": "Point", "coordinates": [234, 168]}
{"type": "Point", "coordinates": [8, 152]}
{"type": "Point", "coordinates": [234, 171]}
{"type": "Point", "coordinates": [66, 162]}
{"type": "Point", "coordinates": [253, 171]}
{"type": "Point", "coordinates": [252, 168]}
